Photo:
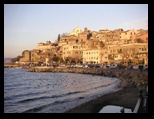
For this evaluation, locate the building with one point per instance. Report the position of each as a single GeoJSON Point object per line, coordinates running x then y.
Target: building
{"type": "Point", "coordinates": [44, 46]}
{"type": "Point", "coordinates": [73, 52]}
{"type": "Point", "coordinates": [26, 57]}
{"type": "Point", "coordinates": [134, 52]}
{"type": "Point", "coordinates": [93, 47]}
{"type": "Point", "coordinates": [95, 56]}
{"type": "Point", "coordinates": [75, 31]}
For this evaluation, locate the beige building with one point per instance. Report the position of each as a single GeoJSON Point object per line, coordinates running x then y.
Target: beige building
{"type": "Point", "coordinates": [89, 46]}
{"type": "Point", "coordinates": [72, 51]}
{"type": "Point", "coordinates": [26, 57]}
{"type": "Point", "coordinates": [35, 58]}
{"type": "Point", "coordinates": [128, 34]}
{"type": "Point", "coordinates": [44, 46]}
{"type": "Point", "coordinates": [95, 56]}
{"type": "Point", "coordinates": [134, 52]}
{"type": "Point", "coordinates": [67, 40]}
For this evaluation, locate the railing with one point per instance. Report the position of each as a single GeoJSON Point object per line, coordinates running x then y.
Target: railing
{"type": "Point", "coordinates": [145, 104]}
{"type": "Point", "coordinates": [138, 103]}
{"type": "Point", "coordinates": [141, 98]}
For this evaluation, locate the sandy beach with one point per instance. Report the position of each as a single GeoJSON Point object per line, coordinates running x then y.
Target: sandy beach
{"type": "Point", "coordinates": [127, 97]}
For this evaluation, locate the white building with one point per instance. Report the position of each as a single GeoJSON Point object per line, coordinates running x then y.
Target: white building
{"type": "Point", "coordinates": [75, 31]}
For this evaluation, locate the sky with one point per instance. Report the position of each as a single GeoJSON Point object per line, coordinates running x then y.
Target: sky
{"type": "Point", "coordinates": [26, 25]}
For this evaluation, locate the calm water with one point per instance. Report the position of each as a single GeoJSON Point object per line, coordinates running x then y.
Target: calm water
{"type": "Point", "coordinates": [27, 92]}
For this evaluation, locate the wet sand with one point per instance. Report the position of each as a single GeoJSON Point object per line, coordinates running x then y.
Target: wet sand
{"type": "Point", "coordinates": [126, 97]}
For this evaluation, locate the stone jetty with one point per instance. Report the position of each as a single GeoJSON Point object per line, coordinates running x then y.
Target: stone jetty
{"type": "Point", "coordinates": [11, 66]}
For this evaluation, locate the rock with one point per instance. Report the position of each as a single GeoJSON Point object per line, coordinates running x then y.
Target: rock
{"type": "Point", "coordinates": [138, 83]}
{"type": "Point", "coordinates": [123, 84]}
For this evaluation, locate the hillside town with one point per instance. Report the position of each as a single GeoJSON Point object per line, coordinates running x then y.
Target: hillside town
{"type": "Point", "coordinates": [91, 47]}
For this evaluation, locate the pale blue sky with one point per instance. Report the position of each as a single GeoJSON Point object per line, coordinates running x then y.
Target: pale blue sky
{"type": "Point", "coordinates": [25, 25]}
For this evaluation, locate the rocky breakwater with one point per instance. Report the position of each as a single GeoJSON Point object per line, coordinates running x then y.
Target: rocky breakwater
{"type": "Point", "coordinates": [139, 79]}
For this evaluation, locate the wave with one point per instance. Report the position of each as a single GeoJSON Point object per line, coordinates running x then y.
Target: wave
{"type": "Point", "coordinates": [54, 94]}
{"type": "Point", "coordinates": [36, 109]}
{"type": "Point", "coordinates": [47, 97]}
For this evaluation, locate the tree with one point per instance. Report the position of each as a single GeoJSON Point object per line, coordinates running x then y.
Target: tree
{"type": "Point", "coordinates": [139, 40]}
{"type": "Point", "coordinates": [89, 35]}
{"type": "Point", "coordinates": [16, 59]}
{"type": "Point", "coordinates": [125, 55]}
{"type": "Point", "coordinates": [66, 60]}
{"type": "Point", "coordinates": [55, 58]}
{"type": "Point", "coordinates": [58, 37]}
{"type": "Point", "coordinates": [102, 44]}
{"type": "Point", "coordinates": [134, 55]}
{"type": "Point", "coordinates": [111, 57]}
{"type": "Point", "coordinates": [61, 60]}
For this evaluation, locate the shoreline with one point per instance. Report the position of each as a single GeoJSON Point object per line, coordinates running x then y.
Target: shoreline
{"type": "Point", "coordinates": [118, 98]}
{"type": "Point", "coordinates": [132, 81]}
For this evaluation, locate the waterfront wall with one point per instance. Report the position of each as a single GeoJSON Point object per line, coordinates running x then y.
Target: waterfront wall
{"type": "Point", "coordinates": [11, 66]}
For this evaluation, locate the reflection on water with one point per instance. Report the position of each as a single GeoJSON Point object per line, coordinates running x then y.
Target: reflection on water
{"type": "Point", "coordinates": [51, 92]}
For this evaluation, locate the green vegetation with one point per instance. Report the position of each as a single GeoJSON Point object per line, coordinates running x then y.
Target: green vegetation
{"type": "Point", "coordinates": [16, 59]}
{"type": "Point", "coordinates": [55, 58]}
{"type": "Point", "coordinates": [139, 40]}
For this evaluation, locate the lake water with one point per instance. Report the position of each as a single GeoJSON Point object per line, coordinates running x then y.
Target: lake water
{"type": "Point", "coordinates": [32, 92]}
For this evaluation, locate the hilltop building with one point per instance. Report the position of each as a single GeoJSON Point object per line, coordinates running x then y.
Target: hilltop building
{"type": "Point", "coordinates": [104, 46]}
